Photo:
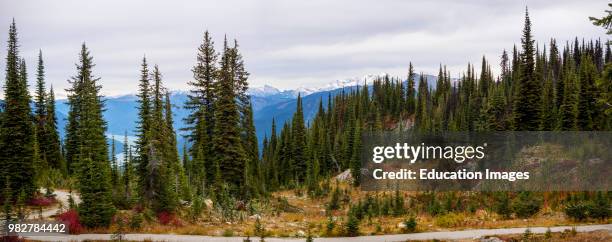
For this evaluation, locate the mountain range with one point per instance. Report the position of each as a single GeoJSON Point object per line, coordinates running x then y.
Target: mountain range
{"type": "Point", "coordinates": [268, 103]}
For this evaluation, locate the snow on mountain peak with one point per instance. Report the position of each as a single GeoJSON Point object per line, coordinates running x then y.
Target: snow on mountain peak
{"type": "Point", "coordinates": [267, 90]}
{"type": "Point", "coordinates": [349, 82]}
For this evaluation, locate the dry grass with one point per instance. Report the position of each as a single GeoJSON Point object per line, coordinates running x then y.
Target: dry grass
{"type": "Point", "coordinates": [313, 218]}
{"type": "Point", "coordinates": [565, 236]}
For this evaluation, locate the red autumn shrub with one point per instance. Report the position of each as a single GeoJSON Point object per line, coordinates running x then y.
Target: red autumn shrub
{"type": "Point", "coordinates": [71, 219]}
{"type": "Point", "coordinates": [41, 201]}
{"type": "Point", "coordinates": [166, 218]}
{"type": "Point", "coordinates": [11, 238]}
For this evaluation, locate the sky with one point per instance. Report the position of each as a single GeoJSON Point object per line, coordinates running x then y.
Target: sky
{"type": "Point", "coordinates": [285, 44]}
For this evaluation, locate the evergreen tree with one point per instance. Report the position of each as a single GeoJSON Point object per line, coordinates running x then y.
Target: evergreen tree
{"type": "Point", "coordinates": [298, 131]}
{"type": "Point", "coordinates": [200, 122]}
{"type": "Point", "coordinates": [422, 105]}
{"type": "Point", "coordinates": [229, 155]}
{"type": "Point", "coordinates": [40, 109]}
{"type": "Point", "coordinates": [17, 130]}
{"type": "Point", "coordinates": [547, 118]}
{"type": "Point", "coordinates": [53, 148]}
{"type": "Point", "coordinates": [568, 108]}
{"type": "Point", "coordinates": [355, 164]}
{"type": "Point", "coordinates": [163, 158]}
{"type": "Point", "coordinates": [179, 178]}
{"type": "Point", "coordinates": [127, 169]}
{"type": "Point", "coordinates": [586, 102]}
{"type": "Point", "coordinates": [527, 104]}
{"type": "Point", "coordinates": [605, 21]}
{"type": "Point", "coordinates": [143, 132]}
{"type": "Point", "coordinates": [495, 111]}
{"type": "Point", "coordinates": [90, 151]}
{"type": "Point", "coordinates": [252, 167]}
{"type": "Point", "coordinates": [410, 91]}
{"type": "Point", "coordinates": [114, 166]}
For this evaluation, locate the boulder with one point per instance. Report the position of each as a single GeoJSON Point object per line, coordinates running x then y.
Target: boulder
{"type": "Point", "coordinates": [345, 176]}
{"type": "Point", "coordinates": [208, 203]}
{"type": "Point", "coordinates": [401, 225]}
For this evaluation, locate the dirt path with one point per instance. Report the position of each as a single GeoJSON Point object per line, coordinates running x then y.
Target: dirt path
{"type": "Point", "coordinates": [447, 235]}
{"type": "Point", "coordinates": [62, 197]}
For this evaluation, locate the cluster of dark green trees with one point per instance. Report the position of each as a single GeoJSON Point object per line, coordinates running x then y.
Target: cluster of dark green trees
{"type": "Point", "coordinates": [224, 152]}
{"type": "Point", "coordinates": [223, 158]}
{"type": "Point", "coordinates": [29, 139]}
{"type": "Point", "coordinates": [160, 176]}
{"type": "Point", "coordinates": [547, 89]}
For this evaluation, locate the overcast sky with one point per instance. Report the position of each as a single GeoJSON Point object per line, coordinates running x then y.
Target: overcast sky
{"type": "Point", "coordinates": [286, 44]}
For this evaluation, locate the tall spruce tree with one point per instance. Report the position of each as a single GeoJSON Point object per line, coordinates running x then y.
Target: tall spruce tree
{"type": "Point", "coordinates": [586, 102]}
{"type": "Point", "coordinates": [229, 155]}
{"type": "Point", "coordinates": [40, 110]}
{"type": "Point", "coordinates": [298, 132]}
{"type": "Point", "coordinates": [89, 150]}
{"type": "Point", "coordinates": [410, 91]}
{"type": "Point", "coordinates": [53, 148]}
{"type": "Point", "coordinates": [252, 174]}
{"type": "Point", "coordinates": [527, 101]}
{"type": "Point", "coordinates": [127, 169]}
{"type": "Point", "coordinates": [114, 164]}
{"type": "Point", "coordinates": [143, 132]}
{"type": "Point", "coordinates": [200, 122]}
{"type": "Point", "coordinates": [17, 130]}
{"type": "Point", "coordinates": [161, 167]}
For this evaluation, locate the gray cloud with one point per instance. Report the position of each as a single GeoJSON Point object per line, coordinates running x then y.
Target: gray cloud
{"type": "Point", "coordinates": [285, 43]}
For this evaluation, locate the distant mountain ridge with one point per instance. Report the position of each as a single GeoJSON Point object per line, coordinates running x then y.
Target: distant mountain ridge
{"type": "Point", "coordinates": [268, 103]}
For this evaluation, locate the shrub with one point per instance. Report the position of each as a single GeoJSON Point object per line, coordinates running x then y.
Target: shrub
{"type": "Point", "coordinates": [385, 207]}
{"type": "Point", "coordinates": [502, 206]}
{"type": "Point", "coordinates": [548, 234]}
{"type": "Point", "coordinates": [352, 225]}
{"type": "Point", "coordinates": [259, 229]}
{"type": "Point", "coordinates": [526, 205]}
{"type": "Point", "coordinates": [228, 233]}
{"type": "Point", "coordinates": [136, 221]}
{"type": "Point", "coordinates": [398, 204]}
{"type": "Point", "coordinates": [527, 235]}
{"type": "Point", "coordinates": [41, 201]}
{"type": "Point", "coordinates": [449, 220]}
{"type": "Point", "coordinates": [331, 224]}
{"type": "Point", "coordinates": [600, 207]}
{"type": "Point", "coordinates": [309, 238]}
{"type": "Point", "coordinates": [577, 210]}
{"type": "Point", "coordinates": [434, 208]}
{"type": "Point", "coordinates": [378, 229]}
{"type": "Point", "coordinates": [11, 238]}
{"type": "Point", "coordinates": [120, 220]}
{"type": "Point", "coordinates": [411, 225]}
{"type": "Point", "coordinates": [71, 219]}
{"type": "Point", "coordinates": [357, 211]}
{"type": "Point", "coordinates": [196, 208]}
{"type": "Point", "coordinates": [334, 202]}
{"type": "Point", "coordinates": [166, 218]}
